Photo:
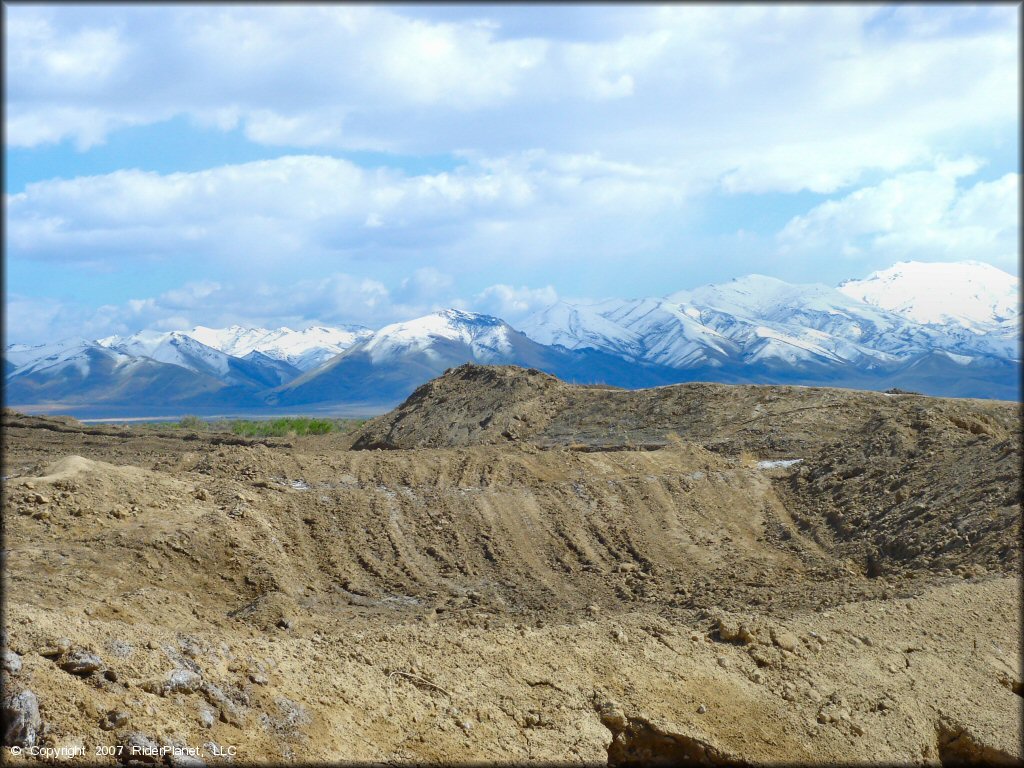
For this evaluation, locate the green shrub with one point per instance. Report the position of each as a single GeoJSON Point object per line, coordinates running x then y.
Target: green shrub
{"type": "Point", "coordinates": [192, 422]}
{"type": "Point", "coordinates": [299, 425]}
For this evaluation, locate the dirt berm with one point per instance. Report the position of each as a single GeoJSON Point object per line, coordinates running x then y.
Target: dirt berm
{"type": "Point", "coordinates": [532, 572]}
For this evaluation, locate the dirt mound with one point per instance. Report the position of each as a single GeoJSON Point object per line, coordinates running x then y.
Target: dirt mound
{"type": "Point", "coordinates": [489, 405]}
{"type": "Point", "coordinates": [890, 482]}
{"type": "Point", "coordinates": [469, 405]}
{"type": "Point", "coordinates": [760, 585]}
{"type": "Point", "coordinates": [930, 489]}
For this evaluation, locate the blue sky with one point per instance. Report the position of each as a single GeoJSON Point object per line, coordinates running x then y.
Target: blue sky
{"type": "Point", "coordinates": [167, 166]}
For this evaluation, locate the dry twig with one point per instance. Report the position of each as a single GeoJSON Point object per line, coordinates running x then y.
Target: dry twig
{"type": "Point", "coordinates": [416, 679]}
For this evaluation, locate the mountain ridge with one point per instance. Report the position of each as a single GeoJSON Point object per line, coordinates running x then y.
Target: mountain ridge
{"type": "Point", "coordinates": [754, 329]}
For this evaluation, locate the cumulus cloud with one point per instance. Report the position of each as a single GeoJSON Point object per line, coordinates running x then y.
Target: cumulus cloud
{"type": "Point", "coordinates": [513, 303]}
{"type": "Point", "coordinates": [934, 214]}
{"type": "Point", "coordinates": [425, 285]}
{"type": "Point", "coordinates": [581, 143]}
{"type": "Point", "coordinates": [289, 72]}
{"type": "Point", "coordinates": [273, 211]}
{"type": "Point", "coordinates": [335, 299]}
{"type": "Point", "coordinates": [757, 98]}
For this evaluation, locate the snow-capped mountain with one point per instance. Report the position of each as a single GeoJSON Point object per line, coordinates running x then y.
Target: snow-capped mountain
{"type": "Point", "coordinates": [305, 349]}
{"type": "Point", "coordinates": [754, 320]}
{"type": "Point", "coordinates": [395, 360]}
{"type": "Point", "coordinates": [59, 356]}
{"type": "Point", "coordinates": [387, 361]}
{"type": "Point", "coordinates": [576, 326]}
{"type": "Point", "coordinates": [171, 347]}
{"type": "Point", "coordinates": [944, 329]}
{"type": "Point", "coordinates": [24, 357]}
{"type": "Point", "coordinates": [486, 337]}
{"type": "Point", "coordinates": [969, 293]}
{"type": "Point", "coordinates": [150, 369]}
{"type": "Point", "coordinates": [759, 320]}
{"type": "Point", "coordinates": [80, 372]}
{"type": "Point", "coordinates": [772, 319]}
{"type": "Point", "coordinates": [178, 348]}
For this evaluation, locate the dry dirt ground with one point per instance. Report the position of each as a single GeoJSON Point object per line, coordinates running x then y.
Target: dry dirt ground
{"type": "Point", "coordinates": [511, 569]}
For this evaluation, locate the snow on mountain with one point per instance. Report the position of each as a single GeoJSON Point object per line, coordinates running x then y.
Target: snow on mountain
{"type": "Point", "coordinates": [172, 347]}
{"type": "Point", "coordinates": [774, 346]}
{"type": "Point", "coordinates": [305, 349]}
{"type": "Point", "coordinates": [758, 297]}
{"type": "Point", "coordinates": [23, 356]}
{"type": "Point", "coordinates": [398, 358]}
{"type": "Point", "coordinates": [655, 330]}
{"type": "Point", "coordinates": [57, 357]}
{"type": "Point", "coordinates": [487, 337]}
{"type": "Point", "coordinates": [754, 296]}
{"type": "Point", "coordinates": [815, 318]}
{"type": "Point", "coordinates": [254, 371]}
{"type": "Point", "coordinates": [88, 374]}
{"type": "Point", "coordinates": [234, 340]}
{"type": "Point", "coordinates": [753, 319]}
{"type": "Point", "coordinates": [671, 335]}
{"type": "Point", "coordinates": [968, 293]}
{"type": "Point", "coordinates": [760, 319]}
{"type": "Point", "coordinates": [581, 325]}
{"type": "Point", "coordinates": [939, 328]}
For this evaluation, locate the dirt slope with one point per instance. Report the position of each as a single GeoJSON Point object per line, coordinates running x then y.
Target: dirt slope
{"type": "Point", "coordinates": [496, 405]}
{"type": "Point", "coordinates": [528, 599]}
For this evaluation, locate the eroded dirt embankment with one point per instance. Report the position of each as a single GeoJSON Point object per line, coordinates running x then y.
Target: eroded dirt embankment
{"type": "Point", "coordinates": [525, 597]}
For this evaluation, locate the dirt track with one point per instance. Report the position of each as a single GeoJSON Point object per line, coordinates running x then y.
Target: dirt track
{"type": "Point", "coordinates": [543, 591]}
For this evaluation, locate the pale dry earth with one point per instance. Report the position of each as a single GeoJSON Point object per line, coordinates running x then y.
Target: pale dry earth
{"type": "Point", "coordinates": [529, 572]}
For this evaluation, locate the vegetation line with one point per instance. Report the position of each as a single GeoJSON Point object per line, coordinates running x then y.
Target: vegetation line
{"type": "Point", "coordinates": [289, 426]}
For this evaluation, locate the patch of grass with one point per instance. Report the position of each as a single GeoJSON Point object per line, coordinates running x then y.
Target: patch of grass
{"type": "Point", "coordinates": [299, 425]}
{"type": "Point", "coordinates": [295, 425]}
{"type": "Point", "coordinates": [154, 425]}
{"type": "Point", "coordinates": [191, 423]}
{"type": "Point", "coordinates": [280, 427]}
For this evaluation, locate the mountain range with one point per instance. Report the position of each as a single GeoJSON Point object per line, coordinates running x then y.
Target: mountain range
{"type": "Point", "coordinates": [941, 329]}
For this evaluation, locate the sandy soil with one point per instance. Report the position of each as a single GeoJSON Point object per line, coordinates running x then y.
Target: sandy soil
{"type": "Point", "coordinates": [548, 595]}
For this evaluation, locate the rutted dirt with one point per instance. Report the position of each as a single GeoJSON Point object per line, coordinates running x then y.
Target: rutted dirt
{"type": "Point", "coordinates": [533, 587]}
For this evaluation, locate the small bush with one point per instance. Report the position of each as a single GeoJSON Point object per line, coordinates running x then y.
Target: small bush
{"type": "Point", "coordinates": [300, 425]}
{"type": "Point", "coordinates": [192, 422]}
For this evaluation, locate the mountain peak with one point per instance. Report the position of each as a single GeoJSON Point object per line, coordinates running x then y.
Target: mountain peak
{"type": "Point", "coordinates": [461, 315]}
{"type": "Point", "coordinates": [970, 293]}
{"type": "Point", "coordinates": [483, 333]}
{"type": "Point", "coordinates": [304, 349]}
{"type": "Point", "coordinates": [758, 296]}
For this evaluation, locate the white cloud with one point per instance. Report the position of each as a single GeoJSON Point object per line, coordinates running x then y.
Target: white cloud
{"type": "Point", "coordinates": [306, 130]}
{"type": "Point", "coordinates": [930, 214]}
{"type": "Point", "coordinates": [426, 284]}
{"type": "Point", "coordinates": [70, 61]}
{"type": "Point", "coordinates": [288, 73]}
{"type": "Point", "coordinates": [589, 139]}
{"type": "Point", "coordinates": [513, 303]}
{"type": "Point", "coordinates": [309, 206]}
{"type": "Point", "coordinates": [34, 320]}
{"type": "Point", "coordinates": [761, 98]}
{"type": "Point", "coordinates": [337, 298]}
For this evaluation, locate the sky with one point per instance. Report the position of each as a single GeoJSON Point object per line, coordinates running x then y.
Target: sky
{"type": "Point", "coordinates": [168, 166]}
